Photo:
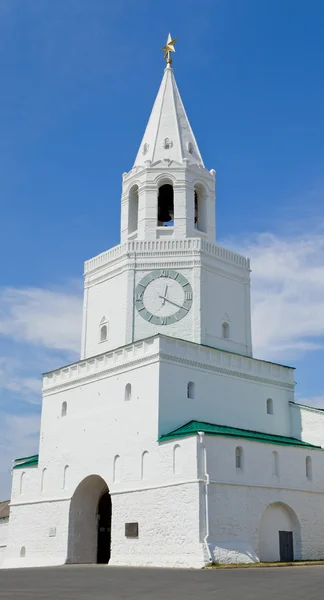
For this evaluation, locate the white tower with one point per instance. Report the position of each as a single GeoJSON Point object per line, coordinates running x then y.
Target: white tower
{"type": "Point", "coordinates": [167, 275]}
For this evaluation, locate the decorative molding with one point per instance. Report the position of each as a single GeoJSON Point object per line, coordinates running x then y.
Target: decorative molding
{"type": "Point", "coordinates": [104, 364]}
{"type": "Point", "coordinates": [168, 247]}
{"type": "Point", "coordinates": [225, 371]}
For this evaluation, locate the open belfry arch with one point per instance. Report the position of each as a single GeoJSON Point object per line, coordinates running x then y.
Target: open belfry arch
{"type": "Point", "coordinates": [168, 443]}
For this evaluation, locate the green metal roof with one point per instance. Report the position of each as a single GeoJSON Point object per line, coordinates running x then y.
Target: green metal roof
{"type": "Point", "coordinates": [27, 461]}
{"type": "Point", "coordinates": [194, 427]}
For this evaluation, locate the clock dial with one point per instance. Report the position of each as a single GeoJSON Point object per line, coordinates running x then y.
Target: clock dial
{"type": "Point", "coordinates": [163, 297]}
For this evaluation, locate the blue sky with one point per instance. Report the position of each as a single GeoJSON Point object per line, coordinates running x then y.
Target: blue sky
{"type": "Point", "coordinates": [78, 80]}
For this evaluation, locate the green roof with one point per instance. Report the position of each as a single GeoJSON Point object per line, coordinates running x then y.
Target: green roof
{"type": "Point", "coordinates": [194, 427]}
{"type": "Point", "coordinates": [27, 461]}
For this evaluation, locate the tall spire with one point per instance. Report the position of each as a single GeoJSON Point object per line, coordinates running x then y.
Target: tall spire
{"type": "Point", "coordinates": [168, 135]}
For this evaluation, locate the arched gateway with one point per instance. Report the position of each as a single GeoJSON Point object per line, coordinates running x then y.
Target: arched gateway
{"type": "Point", "coordinates": [279, 534]}
{"type": "Point", "coordinates": [90, 522]}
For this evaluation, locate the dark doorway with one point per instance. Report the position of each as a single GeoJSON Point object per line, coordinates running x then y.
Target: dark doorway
{"type": "Point", "coordinates": [104, 529]}
{"type": "Point", "coordinates": [286, 546]}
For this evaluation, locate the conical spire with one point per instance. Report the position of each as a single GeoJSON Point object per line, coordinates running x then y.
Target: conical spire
{"type": "Point", "coordinates": [168, 134]}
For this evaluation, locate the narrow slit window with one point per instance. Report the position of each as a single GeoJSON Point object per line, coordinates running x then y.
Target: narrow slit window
{"type": "Point", "coordinates": [308, 464]}
{"type": "Point", "coordinates": [225, 330]}
{"type": "Point", "coordinates": [191, 389]}
{"type": "Point", "coordinates": [64, 409]}
{"type": "Point", "coordinates": [128, 392]}
{"type": "Point", "coordinates": [239, 457]}
{"type": "Point", "coordinates": [269, 406]}
{"type": "Point", "coordinates": [103, 333]}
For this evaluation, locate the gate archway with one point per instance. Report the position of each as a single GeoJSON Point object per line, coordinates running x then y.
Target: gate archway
{"type": "Point", "coordinates": [89, 536]}
{"type": "Point", "coordinates": [279, 534]}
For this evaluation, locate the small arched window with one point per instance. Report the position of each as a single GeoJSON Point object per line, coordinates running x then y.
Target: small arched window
{"type": "Point", "coordinates": [133, 208]}
{"type": "Point", "coordinates": [65, 476]}
{"type": "Point", "coordinates": [191, 389]}
{"type": "Point", "coordinates": [239, 457]}
{"type": "Point", "coordinates": [128, 392]}
{"type": "Point", "coordinates": [116, 468]}
{"type": "Point", "coordinates": [144, 465]}
{"type": "Point", "coordinates": [177, 468]}
{"type": "Point", "coordinates": [103, 333]}
{"type": "Point", "coordinates": [165, 205]}
{"type": "Point", "coordinates": [225, 330]}
{"type": "Point", "coordinates": [22, 482]}
{"type": "Point", "coordinates": [22, 552]}
{"type": "Point", "coordinates": [43, 479]}
{"type": "Point", "coordinates": [64, 409]}
{"type": "Point", "coordinates": [167, 144]}
{"type": "Point", "coordinates": [308, 464]}
{"type": "Point", "coordinates": [269, 406]}
{"type": "Point", "coordinates": [275, 463]}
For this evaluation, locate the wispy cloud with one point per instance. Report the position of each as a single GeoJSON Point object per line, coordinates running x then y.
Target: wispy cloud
{"type": "Point", "coordinates": [39, 330]}
{"type": "Point", "coordinates": [46, 317]}
{"type": "Point", "coordinates": [287, 294]}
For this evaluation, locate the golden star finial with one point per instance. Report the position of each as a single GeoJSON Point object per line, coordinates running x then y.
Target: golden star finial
{"type": "Point", "coordinates": [168, 48]}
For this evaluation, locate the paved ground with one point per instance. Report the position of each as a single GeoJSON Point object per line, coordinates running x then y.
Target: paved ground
{"type": "Point", "coordinates": [112, 583]}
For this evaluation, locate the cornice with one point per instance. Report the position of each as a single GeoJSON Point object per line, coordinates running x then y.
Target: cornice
{"type": "Point", "coordinates": [224, 371]}
{"type": "Point", "coordinates": [100, 374]}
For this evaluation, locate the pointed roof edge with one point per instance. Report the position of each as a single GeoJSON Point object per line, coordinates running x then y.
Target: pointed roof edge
{"type": "Point", "coordinates": [168, 133]}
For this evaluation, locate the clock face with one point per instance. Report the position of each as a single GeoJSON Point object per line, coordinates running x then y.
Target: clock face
{"type": "Point", "coordinates": [163, 297]}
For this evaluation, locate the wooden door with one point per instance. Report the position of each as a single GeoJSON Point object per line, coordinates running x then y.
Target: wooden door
{"type": "Point", "coordinates": [286, 546]}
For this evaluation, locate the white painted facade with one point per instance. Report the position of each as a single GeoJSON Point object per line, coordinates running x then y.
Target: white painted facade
{"type": "Point", "coordinates": [137, 380]}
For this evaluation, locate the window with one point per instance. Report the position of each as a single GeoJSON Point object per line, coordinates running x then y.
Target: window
{"type": "Point", "coordinates": [308, 464]}
{"type": "Point", "coordinates": [165, 205]}
{"type": "Point", "coordinates": [239, 457]}
{"type": "Point", "coordinates": [64, 409]}
{"type": "Point", "coordinates": [22, 552]}
{"type": "Point", "coordinates": [190, 147]}
{"type": "Point", "coordinates": [43, 479]}
{"type": "Point", "coordinates": [128, 392]}
{"type": "Point", "coordinates": [22, 481]}
{"type": "Point", "coordinates": [270, 406]}
{"type": "Point", "coordinates": [65, 477]}
{"type": "Point", "coordinates": [144, 464]}
{"type": "Point", "coordinates": [191, 390]}
{"type": "Point", "coordinates": [200, 208]}
{"type": "Point", "coordinates": [103, 333]}
{"type": "Point", "coordinates": [225, 330]}
{"type": "Point", "coordinates": [275, 463]}
{"type": "Point", "coordinates": [167, 144]}
{"type": "Point", "coordinates": [176, 460]}
{"type": "Point", "coordinates": [116, 470]}
{"type": "Point", "coordinates": [133, 209]}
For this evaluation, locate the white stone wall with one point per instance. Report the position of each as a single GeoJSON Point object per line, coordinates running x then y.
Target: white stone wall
{"type": "Point", "coordinates": [238, 498]}
{"type": "Point", "coordinates": [4, 528]}
{"type": "Point", "coordinates": [307, 424]}
{"type": "Point", "coordinates": [229, 390]}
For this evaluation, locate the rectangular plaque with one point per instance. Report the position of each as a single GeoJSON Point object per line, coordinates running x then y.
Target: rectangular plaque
{"type": "Point", "coordinates": [131, 530]}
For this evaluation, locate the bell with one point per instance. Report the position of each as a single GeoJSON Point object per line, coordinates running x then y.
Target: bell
{"type": "Point", "coordinates": [164, 215]}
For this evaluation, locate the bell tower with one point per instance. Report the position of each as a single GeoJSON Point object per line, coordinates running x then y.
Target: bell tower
{"type": "Point", "coordinates": [167, 275]}
{"type": "Point", "coordinates": [168, 193]}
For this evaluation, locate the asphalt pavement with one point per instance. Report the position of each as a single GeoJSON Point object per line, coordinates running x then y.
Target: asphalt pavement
{"type": "Point", "coordinates": [119, 583]}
